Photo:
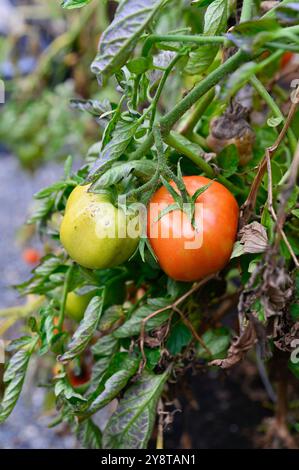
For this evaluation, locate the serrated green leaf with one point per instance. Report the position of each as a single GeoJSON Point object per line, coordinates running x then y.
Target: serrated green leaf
{"type": "Point", "coordinates": [121, 137]}
{"type": "Point", "coordinates": [215, 22]}
{"type": "Point", "coordinates": [14, 377]}
{"type": "Point", "coordinates": [114, 380]}
{"type": "Point", "coordinates": [120, 38]}
{"type": "Point", "coordinates": [86, 329]}
{"type": "Point", "coordinates": [143, 169]}
{"type": "Point", "coordinates": [131, 425]}
{"type": "Point", "coordinates": [89, 435]}
{"type": "Point", "coordinates": [105, 346]}
{"type": "Point", "coordinates": [64, 389]}
{"type": "Point", "coordinates": [132, 326]}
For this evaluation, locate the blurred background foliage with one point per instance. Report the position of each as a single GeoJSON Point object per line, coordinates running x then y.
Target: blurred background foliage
{"type": "Point", "coordinates": [45, 56]}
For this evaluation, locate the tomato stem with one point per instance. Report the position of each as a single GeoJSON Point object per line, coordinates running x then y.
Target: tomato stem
{"type": "Point", "coordinates": [169, 120]}
{"type": "Point", "coordinates": [196, 39]}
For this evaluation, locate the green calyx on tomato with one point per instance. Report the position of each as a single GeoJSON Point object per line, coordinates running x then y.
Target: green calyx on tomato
{"type": "Point", "coordinates": [186, 253]}
{"type": "Point", "coordinates": [95, 233]}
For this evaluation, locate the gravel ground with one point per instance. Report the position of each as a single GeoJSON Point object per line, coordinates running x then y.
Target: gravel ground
{"type": "Point", "coordinates": [25, 427]}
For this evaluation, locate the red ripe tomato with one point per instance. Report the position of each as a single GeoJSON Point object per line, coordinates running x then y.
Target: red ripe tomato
{"type": "Point", "coordinates": [183, 253]}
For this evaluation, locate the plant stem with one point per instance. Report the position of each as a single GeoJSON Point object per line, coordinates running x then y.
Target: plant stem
{"type": "Point", "coordinates": [160, 88]}
{"type": "Point", "coordinates": [198, 111]}
{"type": "Point", "coordinates": [249, 205]}
{"type": "Point", "coordinates": [199, 140]}
{"type": "Point", "coordinates": [257, 84]}
{"type": "Point", "coordinates": [154, 38]}
{"type": "Point", "coordinates": [168, 121]}
{"type": "Point", "coordinates": [184, 146]}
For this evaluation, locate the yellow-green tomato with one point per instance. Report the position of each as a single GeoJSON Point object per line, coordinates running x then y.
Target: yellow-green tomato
{"type": "Point", "coordinates": [75, 305]}
{"type": "Point", "coordinates": [95, 233]}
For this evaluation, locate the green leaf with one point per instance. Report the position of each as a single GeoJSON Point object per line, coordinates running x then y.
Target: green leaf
{"type": "Point", "coordinates": [14, 376]}
{"type": "Point", "coordinates": [228, 160]}
{"type": "Point", "coordinates": [105, 346]}
{"type": "Point", "coordinates": [294, 368]}
{"type": "Point", "coordinates": [132, 326]}
{"type": "Point", "coordinates": [131, 425]}
{"type": "Point", "coordinates": [86, 329]}
{"type": "Point", "coordinates": [67, 167]}
{"type": "Point", "coordinates": [121, 369]}
{"type": "Point", "coordinates": [121, 36]}
{"type": "Point", "coordinates": [238, 250]}
{"type": "Point", "coordinates": [99, 367]}
{"type": "Point", "coordinates": [252, 35]}
{"type": "Point", "coordinates": [44, 277]}
{"type": "Point", "coordinates": [70, 4]}
{"type": "Point", "coordinates": [179, 337]}
{"type": "Point", "coordinates": [215, 22]}
{"type": "Point", "coordinates": [63, 389]}
{"type": "Point", "coordinates": [143, 169]}
{"type": "Point", "coordinates": [202, 3]}
{"type": "Point", "coordinates": [121, 137]}
{"type": "Point", "coordinates": [294, 310]}
{"type": "Point", "coordinates": [140, 65]}
{"type": "Point", "coordinates": [217, 341]}
{"type": "Point", "coordinates": [89, 435]}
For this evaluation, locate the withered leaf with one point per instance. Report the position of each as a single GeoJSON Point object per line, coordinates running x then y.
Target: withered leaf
{"type": "Point", "coordinates": [254, 238]}
{"type": "Point", "coordinates": [238, 349]}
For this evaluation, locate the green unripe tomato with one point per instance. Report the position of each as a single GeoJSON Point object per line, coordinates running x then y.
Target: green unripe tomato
{"type": "Point", "coordinates": [75, 305]}
{"type": "Point", "coordinates": [94, 232]}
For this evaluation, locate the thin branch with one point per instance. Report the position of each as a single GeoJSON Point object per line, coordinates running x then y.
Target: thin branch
{"type": "Point", "coordinates": [249, 205]}
{"type": "Point", "coordinates": [273, 213]}
{"type": "Point", "coordinates": [172, 306]}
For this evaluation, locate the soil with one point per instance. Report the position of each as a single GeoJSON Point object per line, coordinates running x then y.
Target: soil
{"type": "Point", "coordinates": [218, 412]}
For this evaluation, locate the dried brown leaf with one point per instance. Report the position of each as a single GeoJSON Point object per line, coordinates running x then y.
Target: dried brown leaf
{"type": "Point", "coordinates": [254, 238]}
{"type": "Point", "coordinates": [238, 349]}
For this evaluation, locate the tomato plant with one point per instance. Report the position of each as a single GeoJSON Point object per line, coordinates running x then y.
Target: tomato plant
{"type": "Point", "coordinates": [203, 124]}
